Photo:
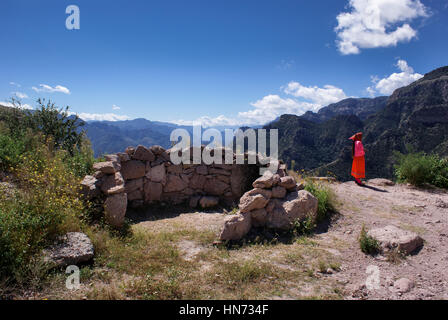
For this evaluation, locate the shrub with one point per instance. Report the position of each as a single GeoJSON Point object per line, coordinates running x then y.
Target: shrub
{"type": "Point", "coordinates": [420, 168]}
{"type": "Point", "coordinates": [368, 244]}
{"type": "Point", "coordinates": [45, 206]}
{"type": "Point", "coordinates": [325, 197]}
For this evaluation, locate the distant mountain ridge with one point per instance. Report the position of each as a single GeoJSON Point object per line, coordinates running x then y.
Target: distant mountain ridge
{"type": "Point", "coordinates": [415, 115]}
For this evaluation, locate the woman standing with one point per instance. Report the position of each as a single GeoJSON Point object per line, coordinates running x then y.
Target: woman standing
{"type": "Point", "coordinates": [358, 155]}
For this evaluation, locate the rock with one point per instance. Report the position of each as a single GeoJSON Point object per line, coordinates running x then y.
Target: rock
{"type": "Point", "coordinates": [193, 203]}
{"type": "Point", "coordinates": [403, 285]}
{"type": "Point", "coordinates": [112, 158]}
{"type": "Point", "coordinates": [89, 187]}
{"type": "Point", "coordinates": [133, 185]}
{"type": "Point", "coordinates": [158, 173]}
{"type": "Point", "coordinates": [219, 171]}
{"type": "Point", "coordinates": [300, 186]}
{"type": "Point", "coordinates": [115, 209]}
{"type": "Point", "coordinates": [225, 179]}
{"type": "Point", "coordinates": [174, 183]}
{"type": "Point", "coordinates": [254, 199]}
{"type": "Point", "coordinates": [107, 167]}
{"type": "Point", "coordinates": [202, 170]}
{"type": "Point", "coordinates": [144, 154]}
{"type": "Point", "coordinates": [135, 195]}
{"type": "Point", "coordinates": [175, 169]}
{"type": "Point", "coordinates": [298, 205]}
{"type": "Point", "coordinates": [259, 217]}
{"type": "Point", "coordinates": [208, 202]}
{"type": "Point", "coordinates": [236, 227]}
{"type": "Point", "coordinates": [71, 249]}
{"type": "Point", "coordinates": [381, 182]}
{"type": "Point", "coordinates": [391, 237]}
{"type": "Point", "coordinates": [123, 156]}
{"type": "Point", "coordinates": [265, 181]}
{"type": "Point", "coordinates": [197, 181]}
{"type": "Point", "coordinates": [278, 192]}
{"type": "Point", "coordinates": [238, 181]}
{"type": "Point", "coordinates": [215, 187]}
{"type": "Point", "coordinates": [133, 169]}
{"type": "Point", "coordinates": [130, 151]}
{"type": "Point", "coordinates": [276, 179]}
{"type": "Point", "coordinates": [157, 150]}
{"type": "Point", "coordinates": [153, 191]}
{"type": "Point", "coordinates": [287, 182]}
{"type": "Point", "coordinates": [112, 184]}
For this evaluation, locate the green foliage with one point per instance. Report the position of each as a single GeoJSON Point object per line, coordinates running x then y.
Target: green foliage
{"type": "Point", "coordinates": [325, 197]}
{"type": "Point", "coordinates": [368, 245]}
{"type": "Point", "coordinates": [420, 168]}
{"type": "Point", "coordinates": [47, 155]}
{"type": "Point", "coordinates": [304, 227]}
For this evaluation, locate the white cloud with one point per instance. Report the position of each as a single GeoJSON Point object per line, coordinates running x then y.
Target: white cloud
{"type": "Point", "coordinates": [272, 106]}
{"type": "Point", "coordinates": [100, 116]}
{"type": "Point", "coordinates": [15, 84]}
{"type": "Point", "coordinates": [47, 88]}
{"type": "Point", "coordinates": [20, 95]}
{"type": "Point", "coordinates": [114, 107]}
{"type": "Point", "coordinates": [388, 85]}
{"type": "Point", "coordinates": [320, 96]}
{"type": "Point", "coordinates": [22, 106]}
{"type": "Point", "coordinates": [377, 23]}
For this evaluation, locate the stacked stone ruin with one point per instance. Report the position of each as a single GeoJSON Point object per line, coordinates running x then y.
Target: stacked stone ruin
{"type": "Point", "coordinates": [143, 176]}
{"type": "Point", "coordinates": [276, 202]}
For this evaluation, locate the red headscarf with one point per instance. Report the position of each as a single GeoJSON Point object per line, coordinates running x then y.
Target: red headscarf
{"type": "Point", "coordinates": [356, 137]}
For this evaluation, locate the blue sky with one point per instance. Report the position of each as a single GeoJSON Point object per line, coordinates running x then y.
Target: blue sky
{"type": "Point", "coordinates": [222, 62]}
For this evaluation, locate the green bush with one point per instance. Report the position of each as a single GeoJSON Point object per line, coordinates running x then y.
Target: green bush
{"type": "Point", "coordinates": [325, 197]}
{"type": "Point", "coordinates": [420, 168]}
{"type": "Point", "coordinates": [368, 245]}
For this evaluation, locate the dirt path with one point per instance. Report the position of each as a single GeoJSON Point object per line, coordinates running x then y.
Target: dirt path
{"type": "Point", "coordinates": [420, 211]}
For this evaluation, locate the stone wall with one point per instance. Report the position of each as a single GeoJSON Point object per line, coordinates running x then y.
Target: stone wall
{"type": "Point", "coordinates": [142, 176]}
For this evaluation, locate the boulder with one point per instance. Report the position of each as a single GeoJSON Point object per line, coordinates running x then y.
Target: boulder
{"type": "Point", "coordinates": [71, 249]}
{"type": "Point", "coordinates": [254, 199]}
{"type": "Point", "coordinates": [112, 157]}
{"type": "Point", "coordinates": [391, 237]}
{"type": "Point", "coordinates": [215, 187]}
{"type": "Point", "coordinates": [108, 167]}
{"type": "Point", "coordinates": [259, 217]}
{"type": "Point", "coordinates": [278, 192]}
{"type": "Point", "coordinates": [130, 151]}
{"type": "Point", "coordinates": [158, 173]}
{"type": "Point", "coordinates": [298, 205]}
{"type": "Point", "coordinates": [174, 183]}
{"type": "Point", "coordinates": [157, 150]}
{"type": "Point", "coordinates": [135, 195]}
{"type": "Point", "coordinates": [208, 202]}
{"type": "Point", "coordinates": [115, 209]}
{"type": "Point", "coordinates": [144, 154]}
{"type": "Point", "coordinates": [287, 182]}
{"type": "Point", "coordinates": [265, 181]}
{"type": "Point", "coordinates": [123, 156]}
{"type": "Point", "coordinates": [133, 169]}
{"type": "Point", "coordinates": [153, 191]}
{"type": "Point", "coordinates": [197, 181]}
{"type": "Point", "coordinates": [133, 185]}
{"type": "Point", "coordinates": [175, 169]}
{"type": "Point", "coordinates": [219, 171]}
{"type": "Point", "coordinates": [236, 227]}
{"type": "Point", "coordinates": [89, 187]}
{"type": "Point", "coordinates": [112, 184]}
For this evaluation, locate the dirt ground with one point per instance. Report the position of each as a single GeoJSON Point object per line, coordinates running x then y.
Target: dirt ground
{"type": "Point", "coordinates": [173, 257]}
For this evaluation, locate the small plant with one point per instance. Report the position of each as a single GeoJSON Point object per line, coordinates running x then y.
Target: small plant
{"type": "Point", "coordinates": [368, 244]}
{"type": "Point", "coordinates": [325, 197]}
{"type": "Point", "coordinates": [304, 227]}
